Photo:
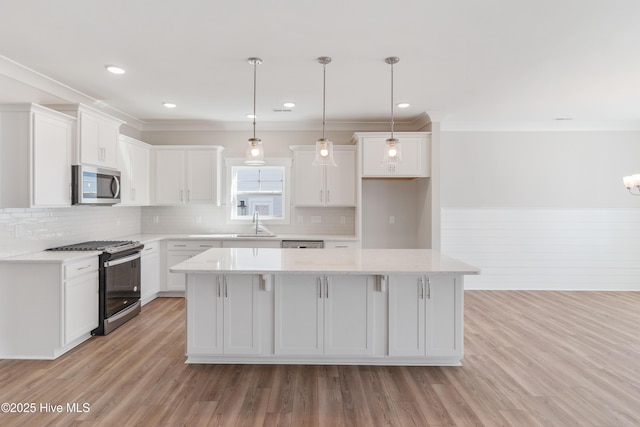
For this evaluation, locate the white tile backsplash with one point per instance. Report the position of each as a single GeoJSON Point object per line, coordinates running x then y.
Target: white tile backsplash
{"type": "Point", "coordinates": [31, 230]}
{"type": "Point", "coordinates": [202, 219]}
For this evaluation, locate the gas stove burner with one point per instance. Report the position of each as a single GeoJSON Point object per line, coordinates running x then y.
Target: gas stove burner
{"type": "Point", "coordinates": [110, 246]}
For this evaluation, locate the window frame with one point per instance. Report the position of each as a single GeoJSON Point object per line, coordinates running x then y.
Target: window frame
{"type": "Point", "coordinates": [231, 200]}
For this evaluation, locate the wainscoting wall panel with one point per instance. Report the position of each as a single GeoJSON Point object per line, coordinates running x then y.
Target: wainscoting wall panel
{"type": "Point", "coordinates": [554, 249]}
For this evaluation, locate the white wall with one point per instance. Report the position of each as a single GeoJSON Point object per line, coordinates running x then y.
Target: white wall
{"type": "Point", "coordinates": [542, 210]}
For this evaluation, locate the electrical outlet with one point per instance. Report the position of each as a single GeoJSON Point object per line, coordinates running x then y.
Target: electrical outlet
{"type": "Point", "coordinates": [156, 219]}
{"type": "Point", "coordinates": [117, 222]}
{"type": "Point", "coordinates": [392, 219]}
{"type": "Point", "coordinates": [198, 219]}
{"type": "Point", "coordinates": [300, 219]}
{"type": "Point", "coordinates": [316, 219]}
{"type": "Point", "coordinates": [343, 220]}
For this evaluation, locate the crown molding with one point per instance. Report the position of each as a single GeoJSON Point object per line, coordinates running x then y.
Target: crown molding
{"type": "Point", "coordinates": [39, 81]}
{"type": "Point", "coordinates": [541, 126]}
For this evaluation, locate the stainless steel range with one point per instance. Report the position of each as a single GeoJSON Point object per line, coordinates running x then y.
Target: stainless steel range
{"type": "Point", "coordinates": [119, 298]}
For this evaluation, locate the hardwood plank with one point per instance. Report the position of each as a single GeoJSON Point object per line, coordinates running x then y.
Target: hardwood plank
{"type": "Point", "coordinates": [532, 358]}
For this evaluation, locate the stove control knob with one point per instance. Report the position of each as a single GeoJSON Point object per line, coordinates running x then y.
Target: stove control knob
{"type": "Point", "coordinates": [135, 289]}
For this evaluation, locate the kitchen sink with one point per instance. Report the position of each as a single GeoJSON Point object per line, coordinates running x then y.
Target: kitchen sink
{"type": "Point", "coordinates": [227, 236]}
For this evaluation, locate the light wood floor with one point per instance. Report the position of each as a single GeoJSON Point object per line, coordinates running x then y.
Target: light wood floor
{"type": "Point", "coordinates": [531, 359]}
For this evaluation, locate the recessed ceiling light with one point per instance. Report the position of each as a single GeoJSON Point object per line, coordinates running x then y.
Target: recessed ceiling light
{"type": "Point", "coordinates": [169, 104]}
{"type": "Point", "coordinates": [403, 105]}
{"type": "Point", "coordinates": [289, 104]}
{"type": "Point", "coordinates": [115, 69]}
{"type": "Point", "coordinates": [564, 118]}
{"type": "Point", "coordinates": [251, 116]}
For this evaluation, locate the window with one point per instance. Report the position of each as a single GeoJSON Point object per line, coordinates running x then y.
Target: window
{"type": "Point", "coordinates": [261, 189]}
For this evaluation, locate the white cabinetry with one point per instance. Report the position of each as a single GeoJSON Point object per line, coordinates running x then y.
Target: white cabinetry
{"type": "Point", "coordinates": [179, 251]}
{"type": "Point", "coordinates": [312, 311]}
{"type": "Point", "coordinates": [324, 185]}
{"type": "Point", "coordinates": [415, 152]}
{"type": "Point", "coordinates": [48, 307]}
{"type": "Point", "coordinates": [150, 271]}
{"type": "Point", "coordinates": [425, 316]}
{"type": "Point", "coordinates": [35, 156]}
{"type": "Point", "coordinates": [134, 159]}
{"type": "Point", "coordinates": [258, 243]}
{"type": "Point", "coordinates": [80, 299]}
{"type": "Point", "coordinates": [223, 314]}
{"type": "Point", "coordinates": [341, 244]}
{"type": "Point", "coordinates": [97, 135]}
{"type": "Point", "coordinates": [187, 175]}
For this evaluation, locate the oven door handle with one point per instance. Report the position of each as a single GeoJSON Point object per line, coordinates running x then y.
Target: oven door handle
{"type": "Point", "coordinates": [122, 260]}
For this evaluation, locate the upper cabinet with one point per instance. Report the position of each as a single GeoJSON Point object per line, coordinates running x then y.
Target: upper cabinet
{"type": "Point", "coordinates": [134, 158]}
{"type": "Point", "coordinates": [187, 175]}
{"type": "Point", "coordinates": [97, 134]}
{"type": "Point", "coordinates": [415, 152]}
{"type": "Point", "coordinates": [35, 156]}
{"type": "Point", "coordinates": [324, 185]}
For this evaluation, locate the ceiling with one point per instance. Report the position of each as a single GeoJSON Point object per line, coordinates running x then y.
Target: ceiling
{"type": "Point", "coordinates": [460, 60]}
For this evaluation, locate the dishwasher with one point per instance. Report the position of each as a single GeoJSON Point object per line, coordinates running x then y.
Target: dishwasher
{"type": "Point", "coordinates": [303, 244]}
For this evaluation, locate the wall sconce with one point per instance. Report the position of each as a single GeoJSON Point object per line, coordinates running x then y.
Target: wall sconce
{"type": "Point", "coordinates": [632, 182]}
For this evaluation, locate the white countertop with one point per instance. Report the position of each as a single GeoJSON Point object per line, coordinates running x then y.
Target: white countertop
{"type": "Point", "coordinates": [323, 261]}
{"type": "Point", "coordinates": [63, 256]}
{"type": "Point", "coordinates": [51, 257]}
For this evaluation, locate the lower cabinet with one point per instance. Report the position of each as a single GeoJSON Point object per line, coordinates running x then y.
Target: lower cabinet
{"type": "Point", "coordinates": [425, 316]}
{"type": "Point", "coordinates": [49, 307]}
{"type": "Point", "coordinates": [80, 306]}
{"type": "Point", "coordinates": [150, 271]}
{"type": "Point", "coordinates": [402, 319]}
{"type": "Point", "coordinates": [223, 314]}
{"type": "Point", "coordinates": [323, 315]}
{"type": "Point", "coordinates": [179, 251]}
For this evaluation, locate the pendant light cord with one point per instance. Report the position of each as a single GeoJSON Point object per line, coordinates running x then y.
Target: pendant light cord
{"type": "Point", "coordinates": [324, 93]}
{"type": "Point", "coordinates": [255, 66]}
{"type": "Point", "coordinates": [392, 122]}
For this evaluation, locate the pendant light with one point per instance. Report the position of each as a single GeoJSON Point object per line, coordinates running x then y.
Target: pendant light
{"type": "Point", "coordinates": [392, 154]}
{"type": "Point", "coordinates": [255, 150]}
{"type": "Point", "coordinates": [324, 146]}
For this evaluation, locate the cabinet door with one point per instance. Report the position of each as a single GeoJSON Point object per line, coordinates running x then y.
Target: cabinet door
{"type": "Point", "coordinates": [241, 295]}
{"type": "Point", "coordinates": [407, 315]}
{"type": "Point", "coordinates": [204, 314]}
{"type": "Point", "coordinates": [201, 176]}
{"type": "Point", "coordinates": [139, 174]}
{"type": "Point", "coordinates": [80, 306]}
{"type": "Point", "coordinates": [51, 161]}
{"type": "Point", "coordinates": [348, 315]}
{"type": "Point", "coordinates": [299, 315]}
{"type": "Point", "coordinates": [341, 180]}
{"type": "Point", "coordinates": [169, 177]}
{"type": "Point", "coordinates": [89, 138]}
{"type": "Point", "coordinates": [126, 179]}
{"type": "Point", "coordinates": [150, 272]}
{"type": "Point", "coordinates": [108, 145]}
{"type": "Point", "coordinates": [309, 188]}
{"type": "Point", "coordinates": [445, 316]}
{"type": "Point", "coordinates": [177, 281]}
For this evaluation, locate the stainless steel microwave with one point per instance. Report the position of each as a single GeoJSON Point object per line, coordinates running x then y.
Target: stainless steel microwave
{"type": "Point", "coordinates": [91, 185]}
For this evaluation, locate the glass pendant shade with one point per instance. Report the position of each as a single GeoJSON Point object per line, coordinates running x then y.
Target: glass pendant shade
{"type": "Point", "coordinates": [324, 153]}
{"type": "Point", "coordinates": [255, 152]}
{"type": "Point", "coordinates": [392, 154]}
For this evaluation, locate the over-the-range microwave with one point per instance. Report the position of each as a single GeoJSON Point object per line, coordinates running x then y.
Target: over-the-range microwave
{"type": "Point", "coordinates": [91, 185]}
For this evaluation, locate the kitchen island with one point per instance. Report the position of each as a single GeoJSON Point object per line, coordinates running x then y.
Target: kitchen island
{"type": "Point", "coordinates": [325, 306]}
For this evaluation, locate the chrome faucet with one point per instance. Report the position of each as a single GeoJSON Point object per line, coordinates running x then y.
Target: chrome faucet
{"type": "Point", "coordinates": [256, 219]}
